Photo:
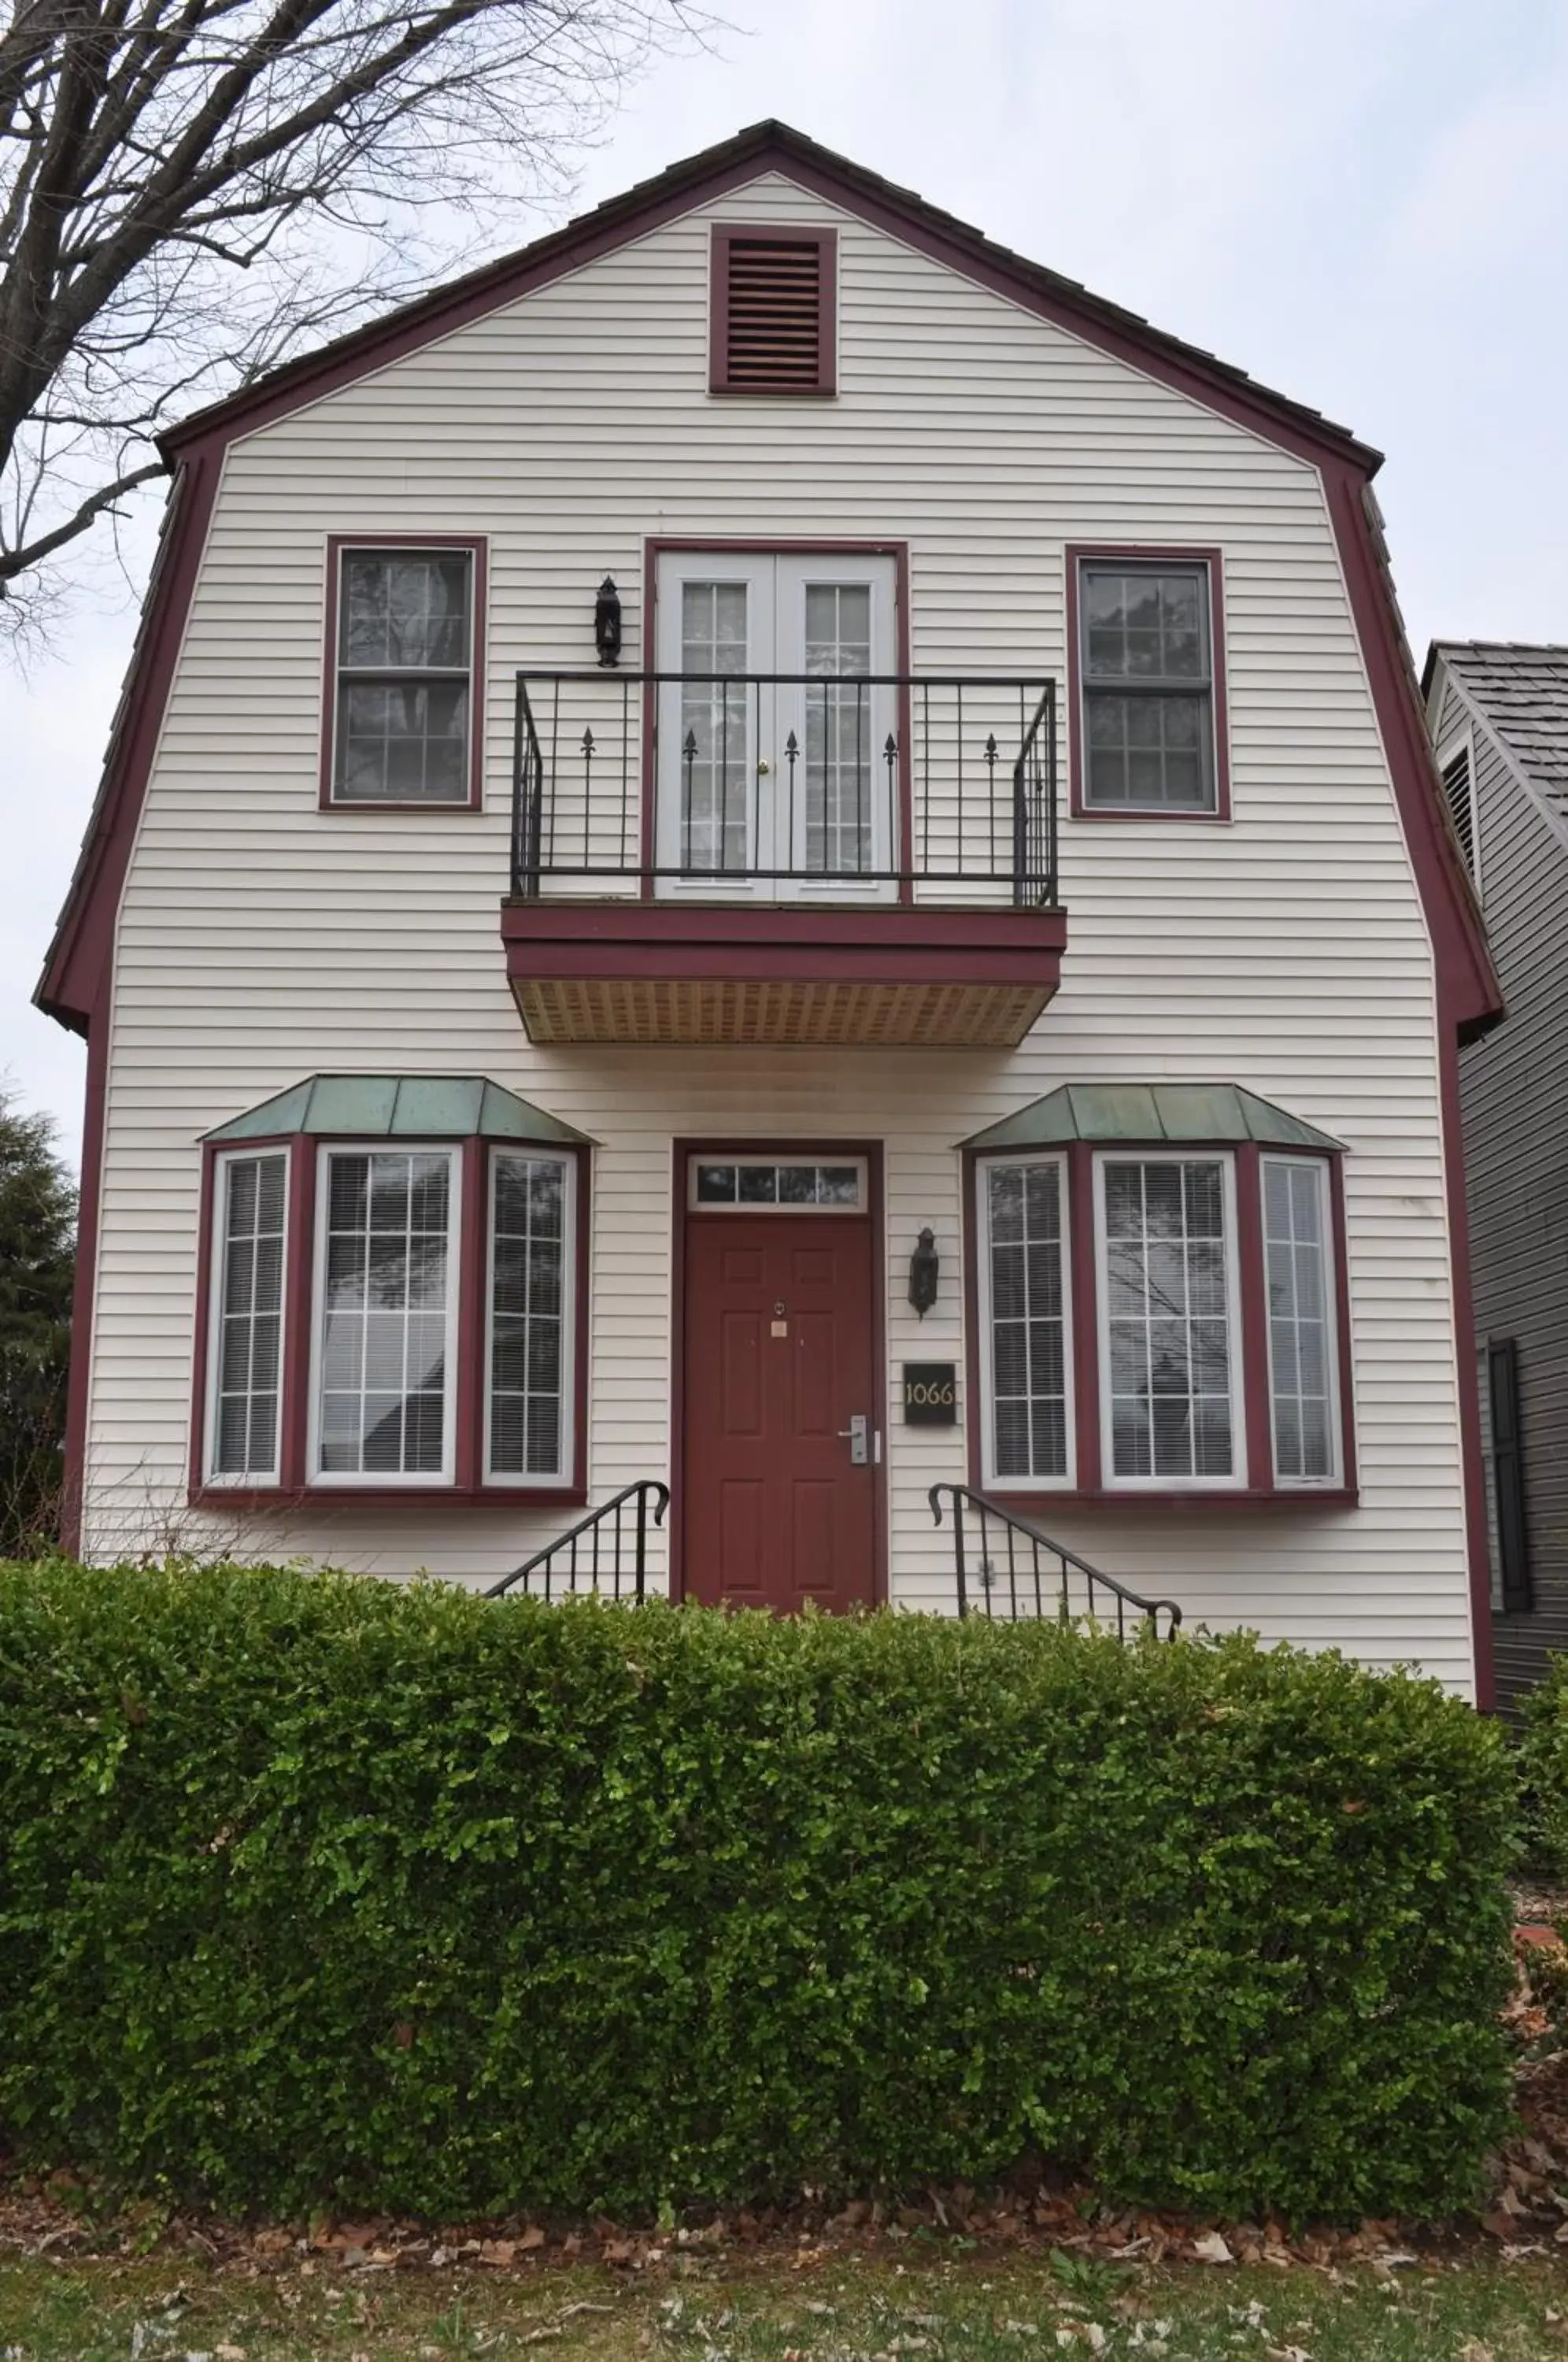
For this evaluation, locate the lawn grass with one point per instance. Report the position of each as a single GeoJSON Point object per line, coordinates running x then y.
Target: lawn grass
{"type": "Point", "coordinates": [959, 2308]}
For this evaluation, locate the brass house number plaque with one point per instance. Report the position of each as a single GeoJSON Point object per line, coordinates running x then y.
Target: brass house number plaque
{"type": "Point", "coordinates": [931, 1394]}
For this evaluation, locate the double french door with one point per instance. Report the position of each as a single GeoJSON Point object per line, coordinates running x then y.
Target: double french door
{"type": "Point", "coordinates": [776, 768]}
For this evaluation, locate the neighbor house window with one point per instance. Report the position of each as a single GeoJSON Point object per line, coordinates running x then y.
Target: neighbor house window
{"type": "Point", "coordinates": [1508, 1541]}
{"type": "Point", "coordinates": [1299, 1265]}
{"type": "Point", "coordinates": [1457, 770]}
{"type": "Point", "coordinates": [404, 680]}
{"type": "Point", "coordinates": [386, 1304]}
{"type": "Point", "coordinates": [1146, 686]}
{"type": "Point", "coordinates": [1025, 1331]}
{"type": "Point", "coordinates": [531, 1273]}
{"type": "Point", "coordinates": [1167, 1288]}
{"type": "Point", "coordinates": [246, 1355]}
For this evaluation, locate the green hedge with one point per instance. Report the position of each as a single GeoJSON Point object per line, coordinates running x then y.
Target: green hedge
{"type": "Point", "coordinates": [323, 1889]}
{"type": "Point", "coordinates": [1543, 1763]}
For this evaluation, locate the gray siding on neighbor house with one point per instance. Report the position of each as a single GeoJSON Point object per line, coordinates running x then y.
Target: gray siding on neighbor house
{"type": "Point", "coordinates": [1514, 1095]}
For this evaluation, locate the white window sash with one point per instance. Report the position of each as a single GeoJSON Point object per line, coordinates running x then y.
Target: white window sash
{"type": "Point", "coordinates": [248, 1479]}
{"type": "Point", "coordinates": [517, 1479]}
{"type": "Point", "coordinates": [384, 1480]}
{"type": "Point", "coordinates": [1204, 691]}
{"type": "Point", "coordinates": [1067, 1482]}
{"type": "Point", "coordinates": [1110, 1482]}
{"type": "Point", "coordinates": [348, 676]}
{"type": "Point", "coordinates": [1335, 1476]}
{"type": "Point", "coordinates": [696, 1205]}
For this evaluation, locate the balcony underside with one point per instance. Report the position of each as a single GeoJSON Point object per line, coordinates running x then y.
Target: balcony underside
{"type": "Point", "coordinates": [880, 976]}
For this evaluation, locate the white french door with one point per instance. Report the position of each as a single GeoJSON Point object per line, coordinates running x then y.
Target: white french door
{"type": "Point", "coordinates": [776, 790]}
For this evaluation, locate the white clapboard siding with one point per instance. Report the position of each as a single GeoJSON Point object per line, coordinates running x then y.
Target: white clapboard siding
{"type": "Point", "coordinates": [260, 940]}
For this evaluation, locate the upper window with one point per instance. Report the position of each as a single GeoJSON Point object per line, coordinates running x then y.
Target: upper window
{"type": "Point", "coordinates": [1146, 681]}
{"type": "Point", "coordinates": [774, 309]}
{"type": "Point", "coordinates": [404, 685]}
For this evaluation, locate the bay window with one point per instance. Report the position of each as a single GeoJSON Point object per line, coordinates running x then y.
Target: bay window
{"type": "Point", "coordinates": [1166, 1281]}
{"type": "Point", "coordinates": [385, 1315]}
{"type": "Point", "coordinates": [398, 1313]}
{"type": "Point", "coordinates": [1023, 1282]}
{"type": "Point", "coordinates": [245, 1347]}
{"type": "Point", "coordinates": [1158, 1321]}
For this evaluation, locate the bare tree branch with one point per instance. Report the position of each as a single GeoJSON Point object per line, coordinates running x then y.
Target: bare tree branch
{"type": "Point", "coordinates": [191, 190]}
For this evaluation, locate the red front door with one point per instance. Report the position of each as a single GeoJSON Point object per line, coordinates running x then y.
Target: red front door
{"type": "Point", "coordinates": [777, 1508]}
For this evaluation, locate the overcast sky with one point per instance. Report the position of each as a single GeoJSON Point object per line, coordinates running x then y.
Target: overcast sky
{"type": "Point", "coordinates": [1365, 203]}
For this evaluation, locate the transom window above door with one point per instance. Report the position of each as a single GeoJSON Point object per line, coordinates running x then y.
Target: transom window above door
{"type": "Point", "coordinates": [755, 1183]}
{"type": "Point", "coordinates": [777, 742]}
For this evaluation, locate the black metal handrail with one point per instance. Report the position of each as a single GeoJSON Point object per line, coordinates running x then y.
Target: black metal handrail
{"type": "Point", "coordinates": [596, 1547]}
{"type": "Point", "coordinates": [841, 780]}
{"type": "Point", "coordinates": [1017, 1565]}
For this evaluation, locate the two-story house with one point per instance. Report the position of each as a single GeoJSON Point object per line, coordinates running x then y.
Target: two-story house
{"type": "Point", "coordinates": [767, 848]}
{"type": "Point", "coordinates": [1499, 721]}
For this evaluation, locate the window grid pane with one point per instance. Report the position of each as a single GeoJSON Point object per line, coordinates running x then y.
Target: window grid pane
{"type": "Point", "coordinates": [753, 1186]}
{"type": "Point", "coordinates": [1148, 688]}
{"type": "Point", "coordinates": [715, 767]}
{"type": "Point", "coordinates": [404, 665]}
{"type": "Point", "coordinates": [1028, 1340]}
{"type": "Point", "coordinates": [839, 752]}
{"type": "Point", "coordinates": [383, 1351]}
{"type": "Point", "coordinates": [249, 1317]}
{"type": "Point", "coordinates": [1300, 1347]}
{"type": "Point", "coordinates": [1168, 1322]}
{"type": "Point", "coordinates": [528, 1357]}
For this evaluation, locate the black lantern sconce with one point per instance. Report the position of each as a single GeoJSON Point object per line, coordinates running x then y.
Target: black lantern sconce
{"type": "Point", "coordinates": [607, 622]}
{"type": "Point", "coordinates": [924, 1265]}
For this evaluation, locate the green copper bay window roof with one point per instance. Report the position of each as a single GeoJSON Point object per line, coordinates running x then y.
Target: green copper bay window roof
{"type": "Point", "coordinates": [394, 1107]}
{"type": "Point", "coordinates": [1108, 1112]}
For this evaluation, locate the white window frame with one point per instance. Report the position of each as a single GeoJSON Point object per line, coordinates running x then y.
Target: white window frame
{"type": "Point", "coordinates": [806, 1156]}
{"type": "Point", "coordinates": [384, 1480]}
{"type": "Point", "coordinates": [1463, 742]}
{"type": "Point", "coordinates": [249, 1479]}
{"type": "Point", "coordinates": [1236, 1482]}
{"type": "Point", "coordinates": [990, 1476]}
{"type": "Point", "coordinates": [517, 1479]}
{"type": "Point", "coordinates": [1335, 1479]}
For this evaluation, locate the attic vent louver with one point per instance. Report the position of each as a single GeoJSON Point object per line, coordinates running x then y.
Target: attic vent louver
{"type": "Point", "coordinates": [773, 311]}
{"type": "Point", "coordinates": [1461, 804]}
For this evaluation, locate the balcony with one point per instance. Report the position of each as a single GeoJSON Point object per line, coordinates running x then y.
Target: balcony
{"type": "Point", "coordinates": [783, 858]}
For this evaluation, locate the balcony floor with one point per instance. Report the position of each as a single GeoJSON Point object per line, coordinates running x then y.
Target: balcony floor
{"type": "Point", "coordinates": [873, 975]}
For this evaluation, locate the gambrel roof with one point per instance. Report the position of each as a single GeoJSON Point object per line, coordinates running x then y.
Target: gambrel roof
{"type": "Point", "coordinates": [77, 967]}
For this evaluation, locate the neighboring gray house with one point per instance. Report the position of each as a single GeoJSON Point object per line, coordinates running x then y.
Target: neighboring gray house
{"type": "Point", "coordinates": [1499, 715]}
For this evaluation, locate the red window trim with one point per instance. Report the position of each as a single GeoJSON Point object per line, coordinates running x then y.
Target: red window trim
{"type": "Point", "coordinates": [1262, 1488]}
{"type": "Point", "coordinates": [478, 548]}
{"type": "Point", "coordinates": [1144, 554]}
{"type": "Point", "coordinates": [724, 235]}
{"type": "Point", "coordinates": [468, 1489]}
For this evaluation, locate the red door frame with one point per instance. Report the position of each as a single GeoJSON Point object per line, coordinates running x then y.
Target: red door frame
{"type": "Point", "coordinates": [825, 1150]}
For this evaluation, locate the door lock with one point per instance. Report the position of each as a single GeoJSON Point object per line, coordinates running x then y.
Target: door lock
{"type": "Point", "coordinates": [762, 769]}
{"type": "Point", "coordinates": [859, 1445]}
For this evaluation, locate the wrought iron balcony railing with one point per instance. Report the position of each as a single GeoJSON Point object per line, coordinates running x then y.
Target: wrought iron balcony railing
{"type": "Point", "coordinates": [774, 786]}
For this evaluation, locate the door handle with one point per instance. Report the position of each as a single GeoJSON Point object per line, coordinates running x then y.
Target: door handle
{"type": "Point", "coordinates": [859, 1449]}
